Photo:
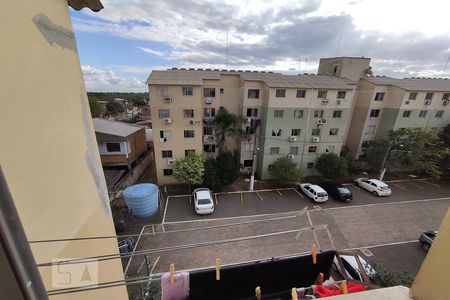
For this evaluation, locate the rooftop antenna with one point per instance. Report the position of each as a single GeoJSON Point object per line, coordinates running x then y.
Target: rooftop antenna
{"type": "Point", "coordinates": [226, 65]}
{"type": "Point", "coordinates": [445, 68]}
{"type": "Point", "coordinates": [339, 45]}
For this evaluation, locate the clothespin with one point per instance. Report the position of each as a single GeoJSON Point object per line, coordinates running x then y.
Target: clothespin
{"type": "Point", "coordinates": [294, 294]}
{"type": "Point", "coordinates": [172, 274]}
{"type": "Point", "coordinates": [319, 279]}
{"type": "Point", "coordinates": [258, 293]}
{"type": "Point", "coordinates": [343, 287]}
{"type": "Point", "coordinates": [314, 253]}
{"type": "Point", "coordinates": [217, 268]}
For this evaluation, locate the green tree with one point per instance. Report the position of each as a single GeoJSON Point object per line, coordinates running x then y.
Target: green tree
{"type": "Point", "coordinates": [190, 170]}
{"type": "Point", "coordinates": [139, 102]}
{"type": "Point", "coordinates": [228, 166]}
{"type": "Point", "coordinates": [226, 125]}
{"type": "Point", "coordinates": [285, 170]}
{"type": "Point", "coordinates": [445, 135]}
{"type": "Point", "coordinates": [331, 165]}
{"type": "Point", "coordinates": [374, 153]}
{"type": "Point", "coordinates": [211, 178]}
{"type": "Point", "coordinates": [97, 109]}
{"type": "Point", "coordinates": [113, 107]}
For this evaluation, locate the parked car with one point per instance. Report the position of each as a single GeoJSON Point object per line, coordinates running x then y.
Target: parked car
{"type": "Point", "coordinates": [427, 239]}
{"type": "Point", "coordinates": [203, 201]}
{"type": "Point", "coordinates": [375, 186]}
{"type": "Point", "coordinates": [337, 191]}
{"type": "Point", "coordinates": [315, 192]}
{"type": "Point", "coordinates": [352, 269]}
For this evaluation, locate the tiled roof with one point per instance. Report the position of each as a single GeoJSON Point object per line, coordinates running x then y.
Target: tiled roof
{"type": "Point", "coordinates": [414, 84]}
{"type": "Point", "coordinates": [276, 80]}
{"type": "Point", "coordinates": [114, 128]}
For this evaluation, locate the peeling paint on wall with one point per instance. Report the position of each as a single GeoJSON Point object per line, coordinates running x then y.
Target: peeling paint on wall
{"type": "Point", "coordinates": [92, 162]}
{"type": "Point", "coordinates": [54, 33]}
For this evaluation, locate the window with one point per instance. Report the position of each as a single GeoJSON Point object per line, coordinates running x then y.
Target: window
{"type": "Point", "coordinates": [209, 112]}
{"type": "Point", "coordinates": [301, 93]}
{"type": "Point", "coordinates": [249, 147]}
{"type": "Point", "coordinates": [253, 94]}
{"type": "Point", "coordinates": [318, 113]}
{"type": "Point", "coordinates": [446, 96]}
{"type": "Point", "coordinates": [276, 132]}
{"type": "Point", "coordinates": [187, 91]}
{"type": "Point", "coordinates": [252, 112]}
{"type": "Point", "coordinates": [187, 152]}
{"type": "Point", "coordinates": [312, 149]}
{"type": "Point", "coordinates": [321, 94]}
{"type": "Point", "coordinates": [113, 147]}
{"type": "Point", "coordinates": [164, 113]}
{"type": "Point", "coordinates": [222, 90]}
{"type": "Point", "coordinates": [250, 129]}
{"type": "Point", "coordinates": [189, 134]}
{"type": "Point", "coordinates": [162, 91]}
{"type": "Point", "coordinates": [334, 131]}
{"type": "Point", "coordinates": [439, 114]}
{"type": "Point", "coordinates": [209, 148]}
{"type": "Point", "coordinates": [278, 113]}
{"type": "Point", "coordinates": [330, 149]}
{"type": "Point", "coordinates": [248, 163]}
{"type": "Point", "coordinates": [280, 93]}
{"type": "Point", "coordinates": [167, 153]}
{"type": "Point", "coordinates": [310, 165]}
{"type": "Point", "coordinates": [167, 172]}
{"type": "Point", "coordinates": [296, 132]}
{"type": "Point", "coordinates": [422, 114]}
{"type": "Point", "coordinates": [298, 113]}
{"type": "Point", "coordinates": [406, 113]}
{"type": "Point", "coordinates": [207, 130]}
{"type": "Point", "coordinates": [374, 113]}
{"type": "Point", "coordinates": [269, 167]}
{"type": "Point", "coordinates": [293, 150]}
{"type": "Point", "coordinates": [188, 113]}
{"type": "Point", "coordinates": [370, 129]}
{"type": "Point", "coordinates": [429, 96]}
{"type": "Point", "coordinates": [337, 114]}
{"type": "Point", "coordinates": [165, 134]}
{"type": "Point", "coordinates": [379, 96]}
{"type": "Point", "coordinates": [412, 96]}
{"type": "Point", "coordinates": [209, 92]}
{"type": "Point", "coordinates": [341, 94]}
{"type": "Point", "coordinates": [274, 150]}
{"type": "Point", "coordinates": [315, 131]}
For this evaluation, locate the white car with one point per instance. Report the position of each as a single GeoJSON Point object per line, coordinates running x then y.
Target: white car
{"type": "Point", "coordinates": [375, 186]}
{"type": "Point", "coordinates": [203, 201]}
{"type": "Point", "coordinates": [352, 269]}
{"type": "Point", "coordinates": [315, 192]}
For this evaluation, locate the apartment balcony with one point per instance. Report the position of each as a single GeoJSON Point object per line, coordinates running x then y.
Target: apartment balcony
{"type": "Point", "coordinates": [209, 139]}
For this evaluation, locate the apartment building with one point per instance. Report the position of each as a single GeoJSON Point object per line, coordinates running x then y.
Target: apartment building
{"type": "Point", "coordinates": [384, 104]}
{"type": "Point", "coordinates": [294, 116]}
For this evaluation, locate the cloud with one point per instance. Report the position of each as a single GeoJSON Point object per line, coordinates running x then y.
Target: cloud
{"type": "Point", "coordinates": [98, 80]}
{"type": "Point", "coordinates": [151, 51]}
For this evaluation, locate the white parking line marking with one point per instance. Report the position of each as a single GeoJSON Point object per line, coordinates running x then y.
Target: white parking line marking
{"type": "Point", "coordinates": [434, 184]}
{"type": "Point", "coordinates": [165, 210]}
{"type": "Point", "coordinates": [399, 186]}
{"type": "Point", "coordinates": [382, 245]}
{"type": "Point", "coordinates": [412, 183]}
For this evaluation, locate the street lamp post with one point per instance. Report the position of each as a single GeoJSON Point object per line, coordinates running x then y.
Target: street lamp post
{"type": "Point", "coordinates": [387, 156]}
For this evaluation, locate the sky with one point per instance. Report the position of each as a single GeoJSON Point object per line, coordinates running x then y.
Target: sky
{"type": "Point", "coordinates": [120, 45]}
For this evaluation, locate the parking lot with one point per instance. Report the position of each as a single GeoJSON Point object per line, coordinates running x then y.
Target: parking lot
{"type": "Point", "coordinates": [257, 225]}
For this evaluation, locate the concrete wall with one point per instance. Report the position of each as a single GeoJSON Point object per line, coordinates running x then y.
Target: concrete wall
{"type": "Point", "coordinates": [48, 152]}
{"type": "Point", "coordinates": [352, 68]}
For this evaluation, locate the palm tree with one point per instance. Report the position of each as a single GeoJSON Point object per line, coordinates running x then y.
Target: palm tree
{"type": "Point", "coordinates": [227, 125]}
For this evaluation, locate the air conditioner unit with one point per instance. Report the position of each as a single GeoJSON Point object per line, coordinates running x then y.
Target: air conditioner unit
{"type": "Point", "coordinates": [167, 120]}
{"type": "Point", "coordinates": [192, 121]}
{"type": "Point", "coordinates": [321, 121]}
{"type": "Point", "coordinates": [316, 139]}
{"type": "Point", "coordinates": [338, 102]}
{"type": "Point", "coordinates": [208, 100]}
{"type": "Point", "coordinates": [325, 101]}
{"type": "Point", "coordinates": [406, 102]}
{"type": "Point", "coordinates": [290, 156]}
{"type": "Point", "coordinates": [167, 99]}
{"type": "Point", "coordinates": [293, 138]}
{"type": "Point", "coordinates": [446, 102]}
{"type": "Point", "coordinates": [248, 120]}
{"type": "Point", "coordinates": [171, 161]}
{"type": "Point", "coordinates": [428, 102]}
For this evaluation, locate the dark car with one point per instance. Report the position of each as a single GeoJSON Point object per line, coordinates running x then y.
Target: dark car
{"type": "Point", "coordinates": [337, 191]}
{"type": "Point", "coordinates": [427, 239]}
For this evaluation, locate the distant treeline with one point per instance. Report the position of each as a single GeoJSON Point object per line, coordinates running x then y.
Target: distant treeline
{"type": "Point", "coordinates": [111, 96]}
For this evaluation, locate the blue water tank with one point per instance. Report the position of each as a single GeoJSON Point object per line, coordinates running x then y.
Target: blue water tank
{"type": "Point", "coordinates": [142, 199]}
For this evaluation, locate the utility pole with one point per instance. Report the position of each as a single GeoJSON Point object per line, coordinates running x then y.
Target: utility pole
{"type": "Point", "coordinates": [386, 158]}
{"type": "Point", "coordinates": [255, 149]}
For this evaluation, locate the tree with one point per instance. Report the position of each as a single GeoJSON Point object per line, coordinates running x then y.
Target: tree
{"type": "Point", "coordinates": [113, 107]}
{"type": "Point", "coordinates": [211, 178]}
{"type": "Point", "coordinates": [97, 109]}
{"type": "Point", "coordinates": [139, 102]}
{"type": "Point", "coordinates": [226, 125]}
{"type": "Point", "coordinates": [331, 165]}
{"type": "Point", "coordinates": [374, 153]}
{"type": "Point", "coordinates": [190, 170]}
{"type": "Point", "coordinates": [228, 166]}
{"type": "Point", "coordinates": [285, 170]}
{"type": "Point", "coordinates": [445, 135]}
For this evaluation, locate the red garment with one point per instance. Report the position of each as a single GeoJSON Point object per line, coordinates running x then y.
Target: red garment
{"type": "Point", "coordinates": [323, 291]}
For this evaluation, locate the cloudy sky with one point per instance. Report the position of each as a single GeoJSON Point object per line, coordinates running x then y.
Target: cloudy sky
{"type": "Point", "coordinates": [123, 43]}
